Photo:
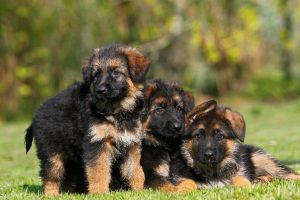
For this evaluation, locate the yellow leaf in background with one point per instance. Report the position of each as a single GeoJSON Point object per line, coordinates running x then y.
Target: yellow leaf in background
{"type": "Point", "coordinates": [196, 35]}
{"type": "Point", "coordinates": [23, 11]}
{"type": "Point", "coordinates": [289, 45]}
{"type": "Point", "coordinates": [234, 54]}
{"type": "Point", "coordinates": [2, 87]}
{"type": "Point", "coordinates": [23, 72]}
{"type": "Point", "coordinates": [238, 36]}
{"type": "Point", "coordinates": [213, 56]}
{"type": "Point", "coordinates": [42, 79]}
{"type": "Point", "coordinates": [24, 90]}
{"type": "Point", "coordinates": [249, 15]}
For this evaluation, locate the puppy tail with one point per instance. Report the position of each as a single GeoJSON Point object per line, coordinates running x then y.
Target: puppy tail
{"type": "Point", "coordinates": [28, 138]}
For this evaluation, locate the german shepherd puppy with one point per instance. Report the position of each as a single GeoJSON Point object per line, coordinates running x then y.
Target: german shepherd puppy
{"type": "Point", "coordinates": [82, 131]}
{"type": "Point", "coordinates": [213, 151]}
{"type": "Point", "coordinates": [166, 105]}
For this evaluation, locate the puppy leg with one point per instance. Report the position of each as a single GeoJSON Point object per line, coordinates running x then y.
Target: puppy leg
{"type": "Point", "coordinates": [291, 176]}
{"type": "Point", "coordinates": [240, 181]}
{"type": "Point", "coordinates": [282, 175]}
{"type": "Point", "coordinates": [264, 179]}
{"type": "Point", "coordinates": [161, 183]}
{"type": "Point", "coordinates": [161, 180]}
{"type": "Point", "coordinates": [98, 170]}
{"type": "Point", "coordinates": [74, 178]}
{"type": "Point", "coordinates": [52, 172]}
{"type": "Point", "coordinates": [268, 168]}
{"type": "Point", "coordinates": [186, 185]}
{"type": "Point", "coordinates": [131, 169]}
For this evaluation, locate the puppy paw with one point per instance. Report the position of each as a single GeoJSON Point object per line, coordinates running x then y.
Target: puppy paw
{"type": "Point", "coordinates": [292, 176]}
{"type": "Point", "coordinates": [168, 187]}
{"type": "Point", "coordinates": [51, 188]}
{"type": "Point", "coordinates": [240, 181]}
{"type": "Point", "coordinates": [186, 185]}
{"type": "Point", "coordinates": [263, 179]}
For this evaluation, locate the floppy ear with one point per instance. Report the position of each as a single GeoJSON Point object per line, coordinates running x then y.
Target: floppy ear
{"type": "Point", "coordinates": [237, 123]}
{"type": "Point", "coordinates": [200, 110]}
{"type": "Point", "coordinates": [86, 67]}
{"type": "Point", "coordinates": [149, 89]}
{"type": "Point", "coordinates": [138, 64]}
{"type": "Point", "coordinates": [189, 101]}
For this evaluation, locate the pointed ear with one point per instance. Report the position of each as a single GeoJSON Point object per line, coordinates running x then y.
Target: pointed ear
{"type": "Point", "coordinates": [86, 67]}
{"type": "Point", "coordinates": [138, 64]}
{"type": "Point", "coordinates": [237, 123]}
{"type": "Point", "coordinates": [149, 89]}
{"type": "Point", "coordinates": [200, 110]}
{"type": "Point", "coordinates": [189, 101]}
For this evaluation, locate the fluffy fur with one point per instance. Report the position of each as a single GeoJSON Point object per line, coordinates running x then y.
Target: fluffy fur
{"type": "Point", "coordinates": [166, 105]}
{"type": "Point", "coordinates": [215, 156]}
{"type": "Point", "coordinates": [82, 131]}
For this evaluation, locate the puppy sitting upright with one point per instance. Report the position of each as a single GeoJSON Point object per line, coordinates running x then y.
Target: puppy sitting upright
{"type": "Point", "coordinates": [165, 108]}
{"type": "Point", "coordinates": [213, 150]}
{"type": "Point", "coordinates": [91, 124]}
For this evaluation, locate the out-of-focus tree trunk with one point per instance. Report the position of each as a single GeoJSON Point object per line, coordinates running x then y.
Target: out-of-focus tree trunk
{"type": "Point", "coordinates": [286, 37]}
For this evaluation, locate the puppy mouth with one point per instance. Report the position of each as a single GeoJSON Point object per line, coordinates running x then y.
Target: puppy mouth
{"type": "Point", "coordinates": [109, 97]}
{"type": "Point", "coordinates": [169, 133]}
{"type": "Point", "coordinates": [105, 105]}
{"type": "Point", "coordinates": [211, 162]}
{"type": "Point", "coordinates": [207, 161]}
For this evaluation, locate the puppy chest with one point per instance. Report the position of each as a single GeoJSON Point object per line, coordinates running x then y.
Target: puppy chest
{"type": "Point", "coordinates": [101, 131]}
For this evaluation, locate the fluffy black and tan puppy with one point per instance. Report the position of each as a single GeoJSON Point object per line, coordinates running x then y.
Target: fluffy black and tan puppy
{"type": "Point", "coordinates": [166, 105]}
{"type": "Point", "coordinates": [213, 151]}
{"type": "Point", "coordinates": [83, 130]}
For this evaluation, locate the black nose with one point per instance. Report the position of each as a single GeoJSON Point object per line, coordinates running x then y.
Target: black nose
{"type": "Point", "coordinates": [102, 90]}
{"type": "Point", "coordinates": [209, 154]}
{"type": "Point", "coordinates": [177, 126]}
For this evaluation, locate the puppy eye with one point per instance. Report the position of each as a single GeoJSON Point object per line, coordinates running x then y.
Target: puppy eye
{"type": "Point", "coordinates": [200, 134]}
{"type": "Point", "coordinates": [219, 135]}
{"type": "Point", "coordinates": [97, 73]}
{"type": "Point", "coordinates": [179, 107]}
{"type": "Point", "coordinates": [116, 73]}
{"type": "Point", "coordinates": [159, 110]}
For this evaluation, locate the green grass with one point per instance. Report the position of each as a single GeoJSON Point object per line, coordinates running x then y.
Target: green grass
{"type": "Point", "coordinates": [275, 127]}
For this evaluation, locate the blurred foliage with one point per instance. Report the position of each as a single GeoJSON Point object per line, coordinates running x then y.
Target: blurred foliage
{"type": "Point", "coordinates": [213, 47]}
{"type": "Point", "coordinates": [272, 86]}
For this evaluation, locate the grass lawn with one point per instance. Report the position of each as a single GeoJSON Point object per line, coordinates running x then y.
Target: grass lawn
{"type": "Point", "coordinates": [275, 127]}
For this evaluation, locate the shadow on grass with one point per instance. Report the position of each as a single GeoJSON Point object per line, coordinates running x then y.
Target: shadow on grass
{"type": "Point", "coordinates": [290, 162]}
{"type": "Point", "coordinates": [37, 189]}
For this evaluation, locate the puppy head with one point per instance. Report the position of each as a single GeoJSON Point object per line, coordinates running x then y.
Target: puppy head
{"type": "Point", "coordinates": [166, 105]}
{"type": "Point", "coordinates": [212, 133]}
{"type": "Point", "coordinates": [115, 72]}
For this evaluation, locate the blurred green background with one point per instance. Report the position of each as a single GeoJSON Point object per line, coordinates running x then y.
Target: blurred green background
{"type": "Point", "coordinates": [248, 49]}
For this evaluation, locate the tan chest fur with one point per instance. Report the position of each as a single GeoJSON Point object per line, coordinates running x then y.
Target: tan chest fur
{"type": "Point", "coordinates": [108, 130]}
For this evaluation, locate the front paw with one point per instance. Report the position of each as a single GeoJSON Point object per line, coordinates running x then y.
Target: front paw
{"type": "Point", "coordinates": [186, 185]}
{"type": "Point", "coordinates": [240, 181]}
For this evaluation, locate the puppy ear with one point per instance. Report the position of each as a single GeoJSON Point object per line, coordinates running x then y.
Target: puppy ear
{"type": "Point", "coordinates": [189, 101]}
{"type": "Point", "coordinates": [86, 71]}
{"type": "Point", "coordinates": [150, 87]}
{"type": "Point", "coordinates": [138, 64]}
{"type": "Point", "coordinates": [86, 67]}
{"type": "Point", "coordinates": [237, 123]}
{"type": "Point", "coordinates": [201, 110]}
